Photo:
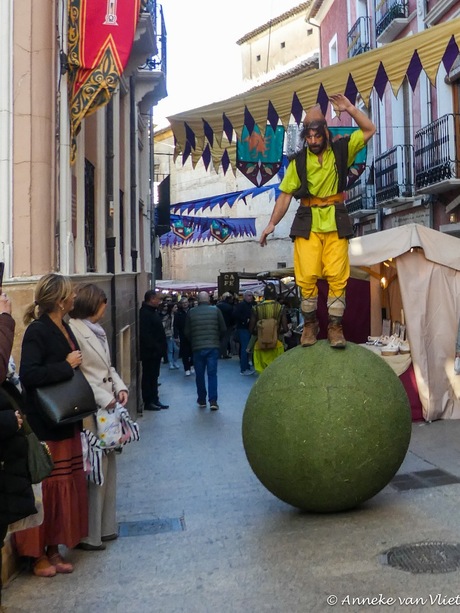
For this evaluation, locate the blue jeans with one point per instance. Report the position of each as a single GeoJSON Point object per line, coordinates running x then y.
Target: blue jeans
{"type": "Point", "coordinates": [244, 337]}
{"type": "Point", "coordinates": [206, 360]}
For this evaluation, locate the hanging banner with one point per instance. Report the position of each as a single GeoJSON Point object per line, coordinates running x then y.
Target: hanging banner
{"type": "Point", "coordinates": [100, 38]}
{"type": "Point", "coordinates": [259, 157]}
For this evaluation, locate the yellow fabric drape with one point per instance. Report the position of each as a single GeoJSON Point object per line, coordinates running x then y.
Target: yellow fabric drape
{"type": "Point", "coordinates": [395, 57]}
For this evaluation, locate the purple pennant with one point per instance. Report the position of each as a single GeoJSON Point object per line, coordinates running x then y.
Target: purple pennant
{"type": "Point", "coordinates": [228, 128]}
{"type": "Point", "coordinates": [249, 120]}
{"type": "Point", "coordinates": [322, 99]}
{"type": "Point", "coordinates": [208, 132]}
{"type": "Point", "coordinates": [225, 162]}
{"type": "Point", "coordinates": [186, 153]}
{"type": "Point", "coordinates": [414, 69]}
{"type": "Point", "coordinates": [272, 115]}
{"type": "Point", "coordinates": [206, 157]}
{"type": "Point", "coordinates": [190, 135]}
{"type": "Point", "coordinates": [450, 54]}
{"type": "Point", "coordinates": [351, 91]}
{"type": "Point", "coordinates": [296, 109]}
{"type": "Point", "coordinates": [381, 80]}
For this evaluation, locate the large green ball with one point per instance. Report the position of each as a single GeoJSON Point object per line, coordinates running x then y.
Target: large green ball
{"type": "Point", "coordinates": [326, 429]}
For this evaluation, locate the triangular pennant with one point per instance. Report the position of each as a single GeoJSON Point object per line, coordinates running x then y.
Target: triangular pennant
{"type": "Point", "coordinates": [351, 91]}
{"type": "Point", "coordinates": [227, 127]}
{"type": "Point", "coordinates": [450, 54]}
{"type": "Point", "coordinates": [186, 153]}
{"type": "Point", "coordinates": [381, 81]}
{"type": "Point", "coordinates": [296, 109]}
{"type": "Point", "coordinates": [190, 135]}
{"type": "Point", "coordinates": [225, 161]}
{"type": "Point", "coordinates": [272, 115]}
{"type": "Point", "coordinates": [206, 157]}
{"type": "Point", "coordinates": [414, 70]}
{"type": "Point", "coordinates": [322, 99]}
{"type": "Point", "coordinates": [208, 132]}
{"type": "Point", "coordinates": [248, 121]}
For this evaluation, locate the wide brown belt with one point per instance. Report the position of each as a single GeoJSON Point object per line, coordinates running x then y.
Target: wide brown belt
{"type": "Point", "coordinates": [328, 201]}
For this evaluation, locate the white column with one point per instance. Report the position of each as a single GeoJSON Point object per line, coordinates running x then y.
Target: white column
{"type": "Point", "coordinates": [65, 175]}
{"type": "Point", "coordinates": [6, 132]}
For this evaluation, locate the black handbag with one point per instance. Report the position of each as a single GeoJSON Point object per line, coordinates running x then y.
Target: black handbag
{"type": "Point", "coordinates": [67, 401]}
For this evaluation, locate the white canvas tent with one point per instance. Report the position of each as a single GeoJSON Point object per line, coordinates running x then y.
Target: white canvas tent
{"type": "Point", "coordinates": [428, 269]}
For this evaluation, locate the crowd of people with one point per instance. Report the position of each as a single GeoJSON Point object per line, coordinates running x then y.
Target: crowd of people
{"type": "Point", "coordinates": [63, 333]}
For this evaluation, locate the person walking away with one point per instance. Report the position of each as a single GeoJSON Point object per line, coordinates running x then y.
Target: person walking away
{"type": "Point", "coordinates": [185, 347]}
{"type": "Point", "coordinates": [242, 317]}
{"type": "Point", "coordinates": [16, 494]}
{"type": "Point", "coordinates": [205, 326]}
{"type": "Point", "coordinates": [225, 304]}
{"type": "Point", "coordinates": [153, 348]}
{"type": "Point", "coordinates": [168, 313]}
{"type": "Point", "coordinates": [108, 388]}
{"type": "Point", "coordinates": [317, 176]}
{"type": "Point", "coordinates": [49, 354]}
{"type": "Point", "coordinates": [272, 312]}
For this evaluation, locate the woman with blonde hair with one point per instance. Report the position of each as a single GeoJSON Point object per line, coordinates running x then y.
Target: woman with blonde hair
{"type": "Point", "coordinates": [50, 353]}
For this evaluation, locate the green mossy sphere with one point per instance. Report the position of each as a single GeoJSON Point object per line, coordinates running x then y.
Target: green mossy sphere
{"type": "Point", "coordinates": [326, 429]}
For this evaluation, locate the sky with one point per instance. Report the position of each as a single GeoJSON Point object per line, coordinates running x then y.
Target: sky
{"type": "Point", "coordinates": [203, 59]}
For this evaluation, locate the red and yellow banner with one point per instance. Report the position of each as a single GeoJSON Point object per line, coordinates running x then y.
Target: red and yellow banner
{"type": "Point", "coordinates": [100, 38]}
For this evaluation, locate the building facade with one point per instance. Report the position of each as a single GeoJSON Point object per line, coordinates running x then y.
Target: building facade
{"type": "Point", "coordinates": [90, 219]}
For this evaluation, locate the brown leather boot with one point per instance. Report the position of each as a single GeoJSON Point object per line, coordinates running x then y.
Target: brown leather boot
{"type": "Point", "coordinates": [335, 333]}
{"type": "Point", "coordinates": [310, 330]}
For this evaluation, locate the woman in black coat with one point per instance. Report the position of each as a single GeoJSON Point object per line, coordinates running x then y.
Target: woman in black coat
{"type": "Point", "coordinates": [50, 353]}
{"type": "Point", "coordinates": [16, 495]}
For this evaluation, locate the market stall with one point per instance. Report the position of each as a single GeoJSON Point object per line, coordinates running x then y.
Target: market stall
{"type": "Point", "coordinates": [426, 294]}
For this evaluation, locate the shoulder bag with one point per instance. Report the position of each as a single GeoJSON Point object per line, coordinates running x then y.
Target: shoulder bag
{"type": "Point", "coordinates": [68, 401]}
{"type": "Point", "coordinates": [39, 460]}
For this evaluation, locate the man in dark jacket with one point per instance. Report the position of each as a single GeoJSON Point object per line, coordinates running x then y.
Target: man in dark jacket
{"type": "Point", "coordinates": [242, 316]}
{"type": "Point", "coordinates": [205, 326]}
{"type": "Point", "coordinates": [153, 347]}
{"type": "Point", "coordinates": [225, 305]}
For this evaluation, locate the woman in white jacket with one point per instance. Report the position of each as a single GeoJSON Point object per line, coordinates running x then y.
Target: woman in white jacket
{"type": "Point", "coordinates": [89, 308]}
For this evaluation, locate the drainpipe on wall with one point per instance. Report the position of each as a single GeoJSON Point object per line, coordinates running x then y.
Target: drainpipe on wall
{"type": "Point", "coordinates": [63, 154]}
{"type": "Point", "coordinates": [110, 240]}
{"type": "Point", "coordinates": [6, 132]}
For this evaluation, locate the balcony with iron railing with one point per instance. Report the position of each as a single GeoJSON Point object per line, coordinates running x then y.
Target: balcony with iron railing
{"type": "Point", "coordinates": [361, 195]}
{"type": "Point", "coordinates": [391, 17]}
{"type": "Point", "coordinates": [437, 155]}
{"type": "Point", "coordinates": [151, 48]}
{"type": "Point", "coordinates": [358, 38]}
{"type": "Point", "coordinates": [394, 175]}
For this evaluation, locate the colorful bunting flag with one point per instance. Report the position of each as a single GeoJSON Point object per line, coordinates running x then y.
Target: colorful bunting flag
{"type": "Point", "coordinates": [100, 36]}
{"type": "Point", "coordinates": [259, 157]}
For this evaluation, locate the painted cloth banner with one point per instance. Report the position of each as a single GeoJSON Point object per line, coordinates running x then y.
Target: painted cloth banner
{"type": "Point", "coordinates": [259, 157]}
{"type": "Point", "coordinates": [185, 228]}
{"type": "Point", "coordinates": [100, 38]}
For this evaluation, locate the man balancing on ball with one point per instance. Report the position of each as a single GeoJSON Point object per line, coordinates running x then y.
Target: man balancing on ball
{"type": "Point", "coordinates": [317, 176]}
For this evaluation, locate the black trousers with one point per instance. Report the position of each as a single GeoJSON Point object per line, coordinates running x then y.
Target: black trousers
{"type": "Point", "coordinates": [149, 382]}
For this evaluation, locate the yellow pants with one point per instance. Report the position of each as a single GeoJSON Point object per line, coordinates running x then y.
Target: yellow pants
{"type": "Point", "coordinates": [322, 256]}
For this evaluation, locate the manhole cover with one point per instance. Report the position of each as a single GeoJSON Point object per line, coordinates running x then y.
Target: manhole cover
{"type": "Point", "coordinates": [151, 526]}
{"type": "Point", "coordinates": [426, 557]}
